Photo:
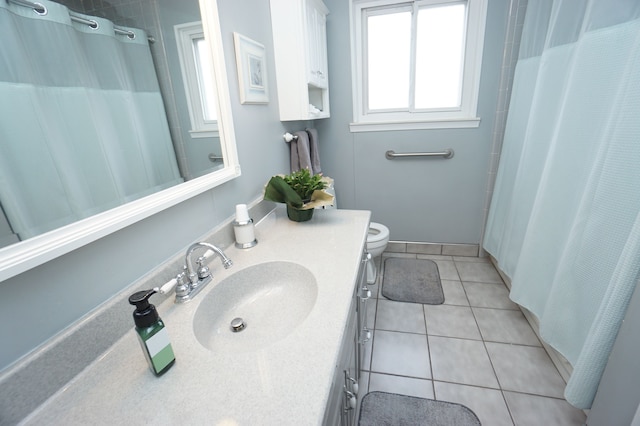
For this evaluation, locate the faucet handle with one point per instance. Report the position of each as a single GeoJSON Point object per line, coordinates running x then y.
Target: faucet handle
{"type": "Point", "coordinates": [182, 287]}
{"type": "Point", "coordinates": [175, 282]}
{"type": "Point", "coordinates": [167, 287]}
{"type": "Point", "coordinates": [203, 270]}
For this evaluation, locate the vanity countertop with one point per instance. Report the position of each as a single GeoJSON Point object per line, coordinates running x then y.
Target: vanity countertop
{"type": "Point", "coordinates": [285, 383]}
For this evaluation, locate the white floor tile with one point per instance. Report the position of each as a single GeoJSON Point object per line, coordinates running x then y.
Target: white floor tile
{"type": "Point", "coordinates": [471, 259]}
{"type": "Point", "coordinates": [488, 295]}
{"type": "Point", "coordinates": [446, 268]}
{"type": "Point", "coordinates": [525, 369]}
{"type": "Point", "coordinates": [402, 354]}
{"type": "Point", "coordinates": [461, 361]}
{"type": "Point", "coordinates": [505, 326]}
{"type": "Point", "coordinates": [478, 272]}
{"type": "Point", "coordinates": [399, 316]}
{"type": "Point", "coordinates": [451, 321]}
{"type": "Point", "coordinates": [488, 404]}
{"type": "Point", "coordinates": [531, 410]}
{"type": "Point", "coordinates": [454, 293]}
{"type": "Point", "coordinates": [420, 388]}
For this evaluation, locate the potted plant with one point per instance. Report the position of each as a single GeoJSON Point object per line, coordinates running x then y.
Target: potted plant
{"type": "Point", "coordinates": [301, 191]}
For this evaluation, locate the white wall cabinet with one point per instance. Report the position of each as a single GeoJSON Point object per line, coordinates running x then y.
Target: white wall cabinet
{"type": "Point", "coordinates": [300, 51]}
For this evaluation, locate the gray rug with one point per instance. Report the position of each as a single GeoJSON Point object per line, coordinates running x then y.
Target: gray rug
{"type": "Point", "coordinates": [390, 409]}
{"type": "Point", "coordinates": [412, 280]}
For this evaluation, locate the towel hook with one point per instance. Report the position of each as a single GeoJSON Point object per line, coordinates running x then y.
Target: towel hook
{"type": "Point", "coordinates": [288, 137]}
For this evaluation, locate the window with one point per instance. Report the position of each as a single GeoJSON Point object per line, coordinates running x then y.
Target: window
{"type": "Point", "coordinates": [197, 75]}
{"type": "Point", "coordinates": [417, 63]}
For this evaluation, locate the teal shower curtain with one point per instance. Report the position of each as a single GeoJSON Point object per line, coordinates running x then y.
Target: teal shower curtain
{"type": "Point", "coordinates": [82, 122]}
{"type": "Point", "coordinates": [564, 222]}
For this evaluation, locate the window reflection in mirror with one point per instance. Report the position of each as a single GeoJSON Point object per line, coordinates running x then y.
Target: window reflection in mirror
{"type": "Point", "coordinates": [196, 65]}
{"type": "Point", "coordinates": [205, 156]}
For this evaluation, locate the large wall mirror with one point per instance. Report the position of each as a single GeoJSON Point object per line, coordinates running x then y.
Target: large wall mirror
{"type": "Point", "coordinates": [112, 111]}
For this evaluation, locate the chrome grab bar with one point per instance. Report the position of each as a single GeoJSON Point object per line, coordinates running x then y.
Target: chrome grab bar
{"type": "Point", "coordinates": [447, 153]}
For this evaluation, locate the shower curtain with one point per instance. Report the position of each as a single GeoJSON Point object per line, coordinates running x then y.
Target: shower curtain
{"type": "Point", "coordinates": [82, 123]}
{"type": "Point", "coordinates": [564, 222]}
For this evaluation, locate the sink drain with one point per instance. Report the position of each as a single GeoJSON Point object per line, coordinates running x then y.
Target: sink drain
{"type": "Point", "coordinates": [238, 324]}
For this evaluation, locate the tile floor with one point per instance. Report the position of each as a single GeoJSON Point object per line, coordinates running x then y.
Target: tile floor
{"type": "Point", "coordinates": [476, 349]}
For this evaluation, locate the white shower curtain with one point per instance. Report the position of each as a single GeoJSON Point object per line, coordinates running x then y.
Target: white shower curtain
{"type": "Point", "coordinates": [82, 122]}
{"type": "Point", "coordinates": [564, 222]}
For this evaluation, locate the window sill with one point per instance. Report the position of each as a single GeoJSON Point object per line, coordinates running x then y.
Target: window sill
{"type": "Point", "coordinates": [385, 126]}
{"type": "Point", "coordinates": [197, 134]}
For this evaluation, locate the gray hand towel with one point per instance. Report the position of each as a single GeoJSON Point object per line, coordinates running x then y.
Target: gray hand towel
{"type": "Point", "coordinates": [304, 156]}
{"type": "Point", "coordinates": [314, 152]}
{"type": "Point", "coordinates": [293, 153]}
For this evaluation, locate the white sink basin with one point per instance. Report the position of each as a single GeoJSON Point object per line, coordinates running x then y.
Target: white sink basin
{"type": "Point", "coordinates": [271, 298]}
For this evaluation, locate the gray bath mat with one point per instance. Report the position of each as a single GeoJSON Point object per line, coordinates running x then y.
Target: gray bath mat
{"type": "Point", "coordinates": [390, 409]}
{"type": "Point", "coordinates": [412, 280]}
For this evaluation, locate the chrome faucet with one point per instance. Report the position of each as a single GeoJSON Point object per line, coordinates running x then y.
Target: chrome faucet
{"type": "Point", "coordinates": [193, 279]}
{"type": "Point", "coordinates": [202, 272]}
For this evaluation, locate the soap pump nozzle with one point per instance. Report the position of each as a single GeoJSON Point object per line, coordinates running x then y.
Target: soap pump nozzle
{"type": "Point", "coordinates": [145, 314]}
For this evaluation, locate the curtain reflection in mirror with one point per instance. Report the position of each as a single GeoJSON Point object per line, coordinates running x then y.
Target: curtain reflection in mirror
{"type": "Point", "coordinates": [82, 121]}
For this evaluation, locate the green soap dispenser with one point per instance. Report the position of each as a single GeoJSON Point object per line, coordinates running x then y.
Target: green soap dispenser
{"type": "Point", "coordinates": [152, 335]}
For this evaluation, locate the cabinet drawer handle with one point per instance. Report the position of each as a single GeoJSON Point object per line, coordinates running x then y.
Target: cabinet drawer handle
{"type": "Point", "coordinates": [352, 401]}
{"type": "Point", "coordinates": [354, 384]}
{"type": "Point", "coordinates": [367, 335]}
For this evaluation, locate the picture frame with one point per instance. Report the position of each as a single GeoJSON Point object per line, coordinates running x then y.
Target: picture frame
{"type": "Point", "coordinates": [252, 70]}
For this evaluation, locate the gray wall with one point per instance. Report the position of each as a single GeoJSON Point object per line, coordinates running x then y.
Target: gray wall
{"type": "Point", "coordinates": [7, 237]}
{"type": "Point", "coordinates": [427, 200]}
{"type": "Point", "coordinates": [39, 303]}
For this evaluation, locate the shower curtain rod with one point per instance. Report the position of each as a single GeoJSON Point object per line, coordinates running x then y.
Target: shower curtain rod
{"type": "Point", "coordinates": [41, 10]}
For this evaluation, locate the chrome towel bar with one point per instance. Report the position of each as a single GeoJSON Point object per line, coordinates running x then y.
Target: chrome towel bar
{"type": "Point", "coordinates": [447, 153]}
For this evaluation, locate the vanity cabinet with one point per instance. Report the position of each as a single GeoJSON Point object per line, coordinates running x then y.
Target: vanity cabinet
{"type": "Point", "coordinates": [300, 50]}
{"type": "Point", "coordinates": [343, 406]}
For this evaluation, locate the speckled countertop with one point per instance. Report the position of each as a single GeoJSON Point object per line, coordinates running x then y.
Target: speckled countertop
{"type": "Point", "coordinates": [284, 383]}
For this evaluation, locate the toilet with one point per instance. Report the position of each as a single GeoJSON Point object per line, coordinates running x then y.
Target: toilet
{"type": "Point", "coordinates": [377, 239]}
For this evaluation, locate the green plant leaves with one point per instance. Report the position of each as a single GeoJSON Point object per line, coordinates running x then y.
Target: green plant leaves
{"type": "Point", "coordinates": [303, 183]}
{"type": "Point", "coordinates": [278, 190]}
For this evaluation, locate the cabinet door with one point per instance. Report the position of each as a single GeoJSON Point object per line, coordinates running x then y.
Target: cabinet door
{"type": "Point", "coordinates": [316, 45]}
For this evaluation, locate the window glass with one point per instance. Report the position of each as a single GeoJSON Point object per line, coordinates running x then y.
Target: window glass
{"type": "Point", "coordinates": [204, 68]}
{"type": "Point", "coordinates": [417, 63]}
{"type": "Point", "coordinates": [389, 60]}
{"type": "Point", "coordinates": [439, 56]}
{"type": "Point", "coordinates": [198, 76]}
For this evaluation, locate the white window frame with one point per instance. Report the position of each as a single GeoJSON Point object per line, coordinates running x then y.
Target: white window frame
{"type": "Point", "coordinates": [463, 117]}
{"type": "Point", "coordinates": [185, 36]}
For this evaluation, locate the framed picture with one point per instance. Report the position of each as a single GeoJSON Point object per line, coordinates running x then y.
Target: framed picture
{"type": "Point", "coordinates": [252, 70]}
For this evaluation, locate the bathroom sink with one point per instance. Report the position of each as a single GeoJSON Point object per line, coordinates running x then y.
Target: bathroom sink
{"type": "Point", "coordinates": [265, 303]}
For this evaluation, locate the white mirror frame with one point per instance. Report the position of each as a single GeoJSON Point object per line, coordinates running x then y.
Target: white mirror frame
{"type": "Point", "coordinates": [28, 254]}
